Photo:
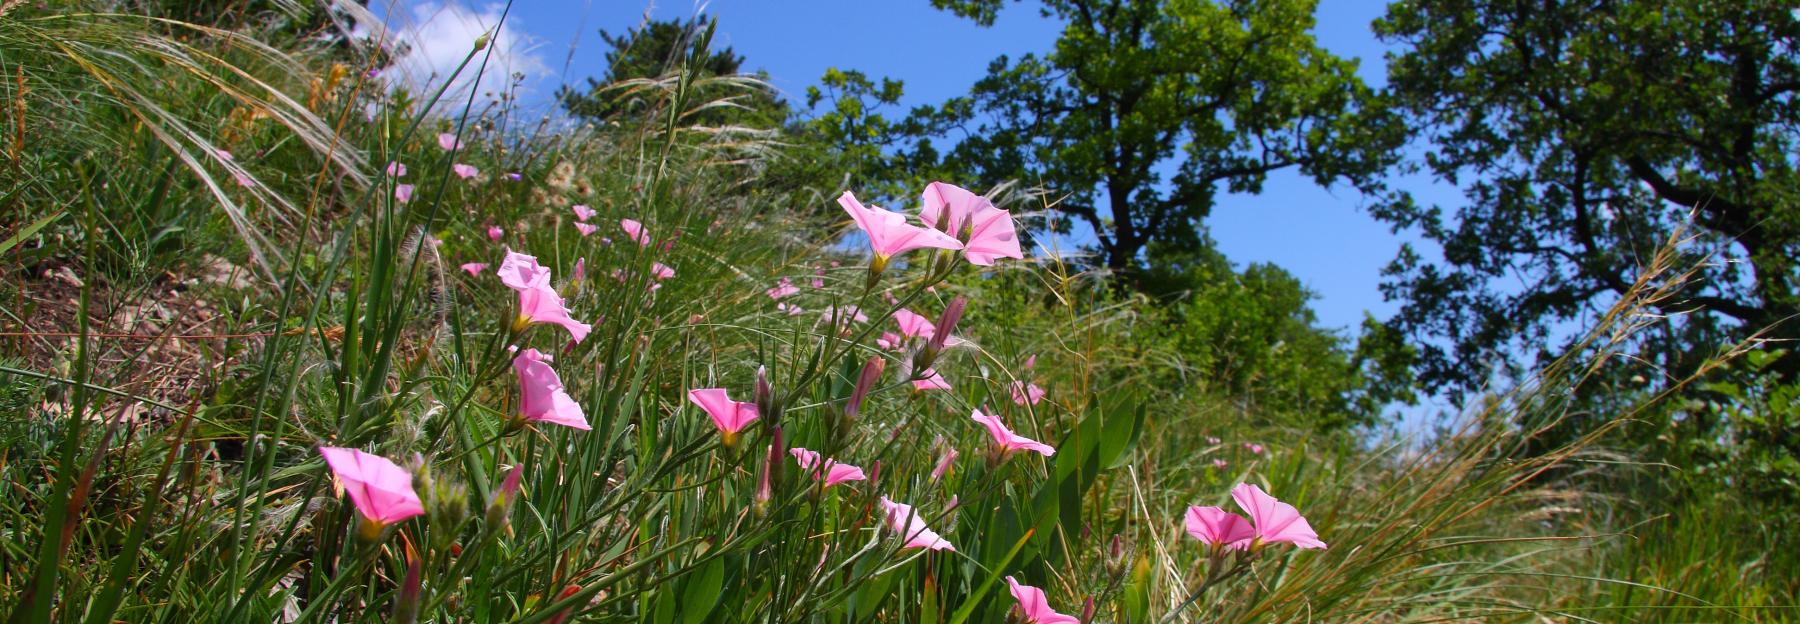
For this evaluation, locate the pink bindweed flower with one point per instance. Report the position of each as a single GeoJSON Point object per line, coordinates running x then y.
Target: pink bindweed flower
{"type": "Point", "coordinates": [890, 234]}
{"type": "Point", "coordinates": [790, 309]}
{"type": "Point", "coordinates": [494, 233]}
{"type": "Point", "coordinates": [904, 520]}
{"type": "Point", "coordinates": [930, 380]}
{"type": "Point", "coordinates": [728, 415]}
{"type": "Point", "coordinates": [474, 268]}
{"type": "Point", "coordinates": [986, 232]}
{"type": "Point", "coordinates": [541, 394]}
{"type": "Point", "coordinates": [449, 142]}
{"type": "Point", "coordinates": [1220, 464]}
{"type": "Point", "coordinates": [403, 193]}
{"type": "Point", "coordinates": [913, 324]}
{"type": "Point", "coordinates": [817, 283]}
{"type": "Point", "coordinates": [1035, 606]}
{"type": "Point", "coordinates": [465, 171]}
{"type": "Point", "coordinates": [381, 490]}
{"type": "Point", "coordinates": [583, 213]}
{"type": "Point", "coordinates": [635, 230]}
{"type": "Point", "coordinates": [1023, 393]}
{"type": "Point", "coordinates": [1255, 449]}
{"type": "Point", "coordinates": [833, 472]}
{"type": "Point", "coordinates": [396, 169]}
{"type": "Point", "coordinates": [1217, 528]}
{"type": "Point", "coordinates": [586, 228]}
{"type": "Point", "coordinates": [661, 271]}
{"type": "Point", "coordinates": [538, 300]}
{"type": "Point", "coordinates": [1005, 440]}
{"type": "Point", "coordinates": [519, 271]}
{"type": "Point", "coordinates": [1274, 521]}
{"type": "Point", "coordinates": [890, 341]}
{"type": "Point", "coordinates": [783, 288]}
{"type": "Point", "coordinates": [944, 464]}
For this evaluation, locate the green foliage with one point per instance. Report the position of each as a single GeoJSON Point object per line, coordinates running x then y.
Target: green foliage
{"type": "Point", "coordinates": [1584, 136]}
{"type": "Point", "coordinates": [1251, 335]}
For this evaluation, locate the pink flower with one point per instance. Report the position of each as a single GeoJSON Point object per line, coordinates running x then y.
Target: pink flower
{"type": "Point", "coordinates": [890, 234]}
{"type": "Point", "coordinates": [1216, 527]}
{"type": "Point", "coordinates": [465, 171]}
{"type": "Point", "coordinates": [902, 519]}
{"type": "Point", "coordinates": [890, 341]}
{"type": "Point", "coordinates": [661, 271]}
{"type": "Point", "coordinates": [585, 228]}
{"type": "Point", "coordinates": [583, 213]}
{"type": "Point", "coordinates": [728, 415]}
{"type": "Point", "coordinates": [515, 177]}
{"type": "Point", "coordinates": [538, 300]}
{"type": "Point", "coordinates": [381, 491]}
{"type": "Point", "coordinates": [1035, 607]}
{"type": "Point", "coordinates": [1275, 521]}
{"type": "Point", "coordinates": [541, 394]}
{"type": "Point", "coordinates": [520, 272]}
{"type": "Point", "coordinates": [912, 324]}
{"type": "Point", "coordinates": [1030, 362]}
{"type": "Point", "coordinates": [1220, 464]}
{"type": "Point", "coordinates": [635, 230]}
{"type": "Point", "coordinates": [1007, 441]}
{"type": "Point", "coordinates": [833, 473]}
{"type": "Point", "coordinates": [790, 309]}
{"type": "Point", "coordinates": [1255, 449]}
{"type": "Point", "coordinates": [396, 169]}
{"type": "Point", "coordinates": [543, 305]}
{"type": "Point", "coordinates": [817, 283]}
{"type": "Point", "coordinates": [944, 464]}
{"type": "Point", "coordinates": [403, 193]}
{"type": "Point", "coordinates": [1212, 440]}
{"type": "Point", "coordinates": [985, 231]}
{"type": "Point", "coordinates": [1023, 393]}
{"type": "Point", "coordinates": [930, 380]}
{"type": "Point", "coordinates": [449, 142]}
{"type": "Point", "coordinates": [783, 288]}
{"type": "Point", "coordinates": [494, 233]}
{"type": "Point", "coordinates": [580, 269]}
{"type": "Point", "coordinates": [474, 268]}
{"type": "Point", "coordinates": [843, 315]}
{"type": "Point", "coordinates": [224, 154]}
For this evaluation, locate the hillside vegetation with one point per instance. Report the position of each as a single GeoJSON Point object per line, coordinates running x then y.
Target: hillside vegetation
{"type": "Point", "coordinates": [284, 342]}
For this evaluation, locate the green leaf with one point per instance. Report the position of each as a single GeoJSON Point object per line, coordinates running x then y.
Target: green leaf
{"type": "Point", "coordinates": [701, 595]}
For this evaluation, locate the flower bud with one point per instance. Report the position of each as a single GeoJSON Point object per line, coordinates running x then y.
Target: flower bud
{"type": "Point", "coordinates": [406, 601]}
{"type": "Point", "coordinates": [1087, 610]}
{"type": "Point", "coordinates": [481, 42]}
{"type": "Point", "coordinates": [499, 508]}
{"type": "Point", "coordinates": [871, 373]}
{"type": "Point", "coordinates": [768, 409]}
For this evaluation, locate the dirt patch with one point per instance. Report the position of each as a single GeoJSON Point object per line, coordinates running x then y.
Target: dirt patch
{"type": "Point", "coordinates": [160, 340]}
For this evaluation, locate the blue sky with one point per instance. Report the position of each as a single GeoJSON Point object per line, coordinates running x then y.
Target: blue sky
{"type": "Point", "coordinates": [1321, 235]}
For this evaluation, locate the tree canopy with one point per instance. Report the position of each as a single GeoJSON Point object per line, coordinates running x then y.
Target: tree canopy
{"type": "Point", "coordinates": [1583, 134]}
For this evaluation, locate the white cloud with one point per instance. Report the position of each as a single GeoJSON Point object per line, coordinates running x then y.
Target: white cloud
{"type": "Point", "coordinates": [436, 35]}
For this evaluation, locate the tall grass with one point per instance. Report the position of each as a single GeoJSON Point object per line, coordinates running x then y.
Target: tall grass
{"type": "Point", "coordinates": [362, 331]}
